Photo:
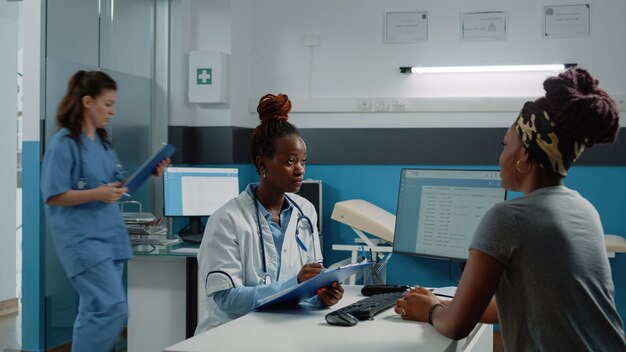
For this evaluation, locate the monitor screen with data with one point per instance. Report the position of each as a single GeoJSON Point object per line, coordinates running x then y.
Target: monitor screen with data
{"type": "Point", "coordinates": [439, 210]}
{"type": "Point", "coordinates": [198, 191]}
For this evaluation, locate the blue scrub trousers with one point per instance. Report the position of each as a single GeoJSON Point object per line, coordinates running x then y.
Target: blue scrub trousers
{"type": "Point", "coordinates": [102, 309]}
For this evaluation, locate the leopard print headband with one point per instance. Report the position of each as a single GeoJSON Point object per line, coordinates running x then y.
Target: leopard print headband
{"type": "Point", "coordinates": [552, 147]}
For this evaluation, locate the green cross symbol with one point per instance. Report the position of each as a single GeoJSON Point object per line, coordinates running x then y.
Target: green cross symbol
{"type": "Point", "coordinates": [204, 76]}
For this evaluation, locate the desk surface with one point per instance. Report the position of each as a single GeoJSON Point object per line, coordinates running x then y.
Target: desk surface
{"type": "Point", "coordinates": [303, 328]}
{"type": "Point", "coordinates": [179, 250]}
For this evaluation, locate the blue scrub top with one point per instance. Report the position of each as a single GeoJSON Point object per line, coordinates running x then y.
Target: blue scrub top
{"type": "Point", "coordinates": [89, 233]}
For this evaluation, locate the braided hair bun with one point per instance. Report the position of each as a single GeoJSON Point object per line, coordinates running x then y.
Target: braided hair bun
{"type": "Point", "coordinates": [274, 107]}
{"type": "Point", "coordinates": [273, 112]}
{"type": "Point", "coordinates": [578, 105]}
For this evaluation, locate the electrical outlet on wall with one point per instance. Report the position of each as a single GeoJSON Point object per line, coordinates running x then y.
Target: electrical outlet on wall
{"type": "Point", "coordinates": [364, 104]}
{"type": "Point", "coordinates": [380, 104]}
{"type": "Point", "coordinates": [312, 40]}
{"type": "Point", "coordinates": [398, 104]}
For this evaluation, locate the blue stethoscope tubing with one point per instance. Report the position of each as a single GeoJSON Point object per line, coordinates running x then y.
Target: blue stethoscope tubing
{"type": "Point", "coordinates": [301, 217]}
{"type": "Point", "coordinates": [119, 171]}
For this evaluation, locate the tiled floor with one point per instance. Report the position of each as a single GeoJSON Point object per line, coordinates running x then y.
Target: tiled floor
{"type": "Point", "coordinates": [10, 332]}
{"type": "Point", "coordinates": [11, 335]}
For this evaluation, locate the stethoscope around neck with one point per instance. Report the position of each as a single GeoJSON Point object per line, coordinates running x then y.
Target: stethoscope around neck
{"type": "Point", "coordinates": [119, 170]}
{"type": "Point", "coordinates": [266, 279]}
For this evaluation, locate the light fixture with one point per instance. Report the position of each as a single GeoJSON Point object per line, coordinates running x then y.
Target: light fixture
{"type": "Point", "coordinates": [494, 68]}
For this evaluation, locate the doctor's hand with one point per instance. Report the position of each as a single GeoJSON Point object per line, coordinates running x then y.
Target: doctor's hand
{"type": "Point", "coordinates": [415, 304]}
{"type": "Point", "coordinates": [110, 192]}
{"type": "Point", "coordinates": [309, 271]}
{"type": "Point", "coordinates": [330, 295]}
{"type": "Point", "coordinates": [160, 169]}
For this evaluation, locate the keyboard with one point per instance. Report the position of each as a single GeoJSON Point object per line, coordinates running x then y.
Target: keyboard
{"type": "Point", "coordinates": [368, 307]}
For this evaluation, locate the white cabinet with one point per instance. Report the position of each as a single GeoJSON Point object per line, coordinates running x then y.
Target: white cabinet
{"type": "Point", "coordinates": [156, 302]}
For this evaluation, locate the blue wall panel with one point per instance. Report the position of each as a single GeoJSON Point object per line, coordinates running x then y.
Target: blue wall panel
{"type": "Point", "coordinates": [32, 251]}
{"type": "Point", "coordinates": [605, 187]}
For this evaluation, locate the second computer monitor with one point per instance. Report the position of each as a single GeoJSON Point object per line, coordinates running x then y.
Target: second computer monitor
{"type": "Point", "coordinates": [198, 191]}
{"type": "Point", "coordinates": [439, 210]}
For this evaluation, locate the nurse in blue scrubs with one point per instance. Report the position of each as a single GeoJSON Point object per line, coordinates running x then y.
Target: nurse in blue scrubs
{"type": "Point", "coordinates": [81, 183]}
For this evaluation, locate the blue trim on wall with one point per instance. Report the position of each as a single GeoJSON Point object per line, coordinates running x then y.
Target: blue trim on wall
{"type": "Point", "coordinates": [32, 251]}
{"type": "Point", "coordinates": [603, 186]}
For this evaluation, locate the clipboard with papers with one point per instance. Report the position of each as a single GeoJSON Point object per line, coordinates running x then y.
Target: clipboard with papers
{"type": "Point", "coordinates": [308, 289]}
{"type": "Point", "coordinates": [147, 168]}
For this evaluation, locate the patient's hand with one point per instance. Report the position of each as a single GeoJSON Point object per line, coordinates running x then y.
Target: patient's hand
{"type": "Point", "coordinates": [415, 304]}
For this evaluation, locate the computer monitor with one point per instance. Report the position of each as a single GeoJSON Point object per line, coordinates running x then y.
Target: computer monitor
{"type": "Point", "coordinates": [439, 210]}
{"type": "Point", "coordinates": [312, 191]}
{"type": "Point", "coordinates": [198, 191]}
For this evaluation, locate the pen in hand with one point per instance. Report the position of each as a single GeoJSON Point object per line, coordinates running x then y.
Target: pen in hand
{"type": "Point", "coordinates": [110, 185]}
{"type": "Point", "coordinates": [321, 290]}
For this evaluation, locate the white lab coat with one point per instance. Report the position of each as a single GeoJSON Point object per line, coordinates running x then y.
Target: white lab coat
{"type": "Point", "coordinates": [230, 253]}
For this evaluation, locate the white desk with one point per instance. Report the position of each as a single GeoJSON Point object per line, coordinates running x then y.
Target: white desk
{"type": "Point", "coordinates": [304, 329]}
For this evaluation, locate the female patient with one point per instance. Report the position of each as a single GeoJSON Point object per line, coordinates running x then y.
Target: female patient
{"type": "Point", "coordinates": [542, 254]}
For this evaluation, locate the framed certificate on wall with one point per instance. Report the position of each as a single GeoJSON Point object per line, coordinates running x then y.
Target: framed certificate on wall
{"type": "Point", "coordinates": [566, 21]}
{"type": "Point", "coordinates": [406, 27]}
{"type": "Point", "coordinates": [483, 26]}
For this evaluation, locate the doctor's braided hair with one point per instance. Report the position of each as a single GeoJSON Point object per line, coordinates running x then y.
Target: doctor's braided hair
{"type": "Point", "coordinates": [273, 112]}
{"type": "Point", "coordinates": [70, 113]}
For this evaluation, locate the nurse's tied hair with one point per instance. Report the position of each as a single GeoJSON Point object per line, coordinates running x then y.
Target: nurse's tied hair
{"type": "Point", "coordinates": [273, 112]}
{"type": "Point", "coordinates": [574, 114]}
{"type": "Point", "coordinates": [70, 111]}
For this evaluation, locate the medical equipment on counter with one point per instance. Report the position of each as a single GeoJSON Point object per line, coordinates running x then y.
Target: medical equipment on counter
{"type": "Point", "coordinates": [364, 217]}
{"type": "Point", "coordinates": [144, 228]}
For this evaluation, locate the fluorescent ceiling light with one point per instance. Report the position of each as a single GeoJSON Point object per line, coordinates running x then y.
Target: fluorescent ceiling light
{"type": "Point", "coordinates": [496, 68]}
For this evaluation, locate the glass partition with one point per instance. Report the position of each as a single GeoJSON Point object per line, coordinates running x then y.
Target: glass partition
{"type": "Point", "coordinates": [116, 37]}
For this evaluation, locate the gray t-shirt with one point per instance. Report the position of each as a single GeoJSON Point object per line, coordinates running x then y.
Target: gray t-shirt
{"type": "Point", "coordinates": [556, 292]}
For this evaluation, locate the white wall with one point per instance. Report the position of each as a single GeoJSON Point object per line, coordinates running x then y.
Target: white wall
{"type": "Point", "coordinates": [241, 63]}
{"type": "Point", "coordinates": [209, 25]}
{"type": "Point", "coordinates": [353, 61]}
{"type": "Point", "coordinates": [8, 148]}
{"type": "Point", "coordinates": [196, 25]}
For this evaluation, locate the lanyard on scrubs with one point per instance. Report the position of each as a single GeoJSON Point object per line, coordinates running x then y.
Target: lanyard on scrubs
{"type": "Point", "coordinates": [301, 247]}
{"type": "Point", "coordinates": [119, 170]}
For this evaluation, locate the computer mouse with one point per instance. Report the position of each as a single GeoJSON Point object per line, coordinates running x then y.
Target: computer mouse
{"type": "Point", "coordinates": [341, 318]}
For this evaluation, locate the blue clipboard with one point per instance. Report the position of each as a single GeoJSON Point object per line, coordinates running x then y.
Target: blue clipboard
{"type": "Point", "coordinates": [309, 288]}
{"type": "Point", "coordinates": [147, 168]}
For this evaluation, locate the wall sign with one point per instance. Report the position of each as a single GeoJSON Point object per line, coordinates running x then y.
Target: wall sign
{"type": "Point", "coordinates": [406, 27]}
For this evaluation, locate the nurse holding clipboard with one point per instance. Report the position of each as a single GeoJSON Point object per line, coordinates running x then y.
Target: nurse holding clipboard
{"type": "Point", "coordinates": [81, 182]}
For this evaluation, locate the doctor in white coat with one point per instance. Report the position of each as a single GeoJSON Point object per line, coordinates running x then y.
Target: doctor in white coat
{"type": "Point", "coordinates": [265, 240]}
